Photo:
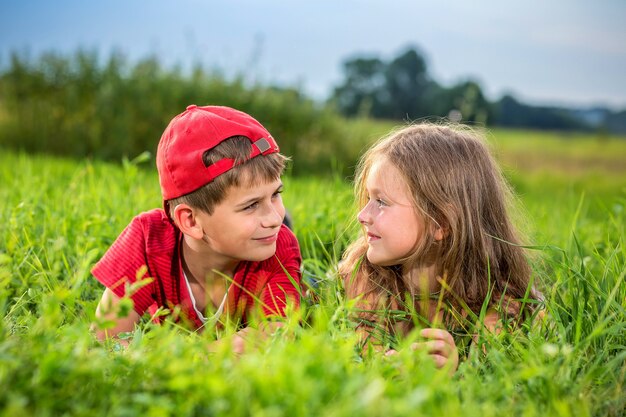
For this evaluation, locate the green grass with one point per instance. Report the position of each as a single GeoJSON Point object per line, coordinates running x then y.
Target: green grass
{"type": "Point", "coordinates": [59, 216]}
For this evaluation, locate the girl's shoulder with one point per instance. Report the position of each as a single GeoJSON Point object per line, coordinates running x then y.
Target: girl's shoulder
{"type": "Point", "coordinates": [462, 320]}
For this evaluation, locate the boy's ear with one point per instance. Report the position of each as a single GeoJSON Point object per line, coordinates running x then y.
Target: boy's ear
{"type": "Point", "coordinates": [185, 219]}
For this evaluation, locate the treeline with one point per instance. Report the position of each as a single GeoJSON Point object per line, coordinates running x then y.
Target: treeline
{"type": "Point", "coordinates": [78, 106]}
{"type": "Point", "coordinates": [402, 88]}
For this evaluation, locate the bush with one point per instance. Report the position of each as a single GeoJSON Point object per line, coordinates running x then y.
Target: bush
{"type": "Point", "coordinates": [79, 107]}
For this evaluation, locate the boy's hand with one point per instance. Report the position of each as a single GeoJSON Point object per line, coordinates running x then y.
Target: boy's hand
{"type": "Point", "coordinates": [246, 338]}
{"type": "Point", "coordinates": [440, 347]}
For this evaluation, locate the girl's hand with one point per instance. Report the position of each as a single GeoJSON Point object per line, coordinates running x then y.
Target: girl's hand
{"type": "Point", "coordinates": [440, 347]}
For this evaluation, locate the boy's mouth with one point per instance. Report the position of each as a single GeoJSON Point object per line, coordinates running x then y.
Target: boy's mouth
{"type": "Point", "coordinates": [267, 239]}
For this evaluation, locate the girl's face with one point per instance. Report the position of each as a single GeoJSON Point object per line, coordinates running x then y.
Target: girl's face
{"type": "Point", "coordinates": [389, 217]}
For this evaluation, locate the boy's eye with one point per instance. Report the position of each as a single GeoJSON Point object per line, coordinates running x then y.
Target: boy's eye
{"type": "Point", "coordinates": [277, 193]}
{"type": "Point", "coordinates": [252, 206]}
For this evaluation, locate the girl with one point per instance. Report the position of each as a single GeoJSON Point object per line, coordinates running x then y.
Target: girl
{"type": "Point", "coordinates": [437, 242]}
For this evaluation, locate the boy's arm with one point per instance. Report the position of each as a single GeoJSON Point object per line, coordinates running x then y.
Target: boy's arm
{"type": "Point", "coordinates": [109, 309]}
{"type": "Point", "coordinates": [282, 287]}
{"type": "Point", "coordinates": [123, 264]}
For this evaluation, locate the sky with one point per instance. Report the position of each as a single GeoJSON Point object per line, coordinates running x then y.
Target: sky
{"type": "Point", "coordinates": [544, 52]}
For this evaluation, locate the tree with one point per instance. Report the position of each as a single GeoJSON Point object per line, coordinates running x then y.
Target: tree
{"type": "Point", "coordinates": [406, 87]}
{"type": "Point", "coordinates": [466, 99]}
{"type": "Point", "coordinates": [511, 113]}
{"type": "Point", "coordinates": [364, 84]}
{"type": "Point", "coordinates": [402, 89]}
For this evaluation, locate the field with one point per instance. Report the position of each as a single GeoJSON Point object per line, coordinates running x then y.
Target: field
{"type": "Point", "coordinates": [60, 215]}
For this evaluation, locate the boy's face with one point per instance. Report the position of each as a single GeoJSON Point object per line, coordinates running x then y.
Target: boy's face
{"type": "Point", "coordinates": [245, 225]}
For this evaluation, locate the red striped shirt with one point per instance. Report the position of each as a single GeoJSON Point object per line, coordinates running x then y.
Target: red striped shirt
{"type": "Point", "coordinates": [149, 247]}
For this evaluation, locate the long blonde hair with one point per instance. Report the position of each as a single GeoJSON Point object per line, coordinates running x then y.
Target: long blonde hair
{"type": "Point", "coordinates": [457, 186]}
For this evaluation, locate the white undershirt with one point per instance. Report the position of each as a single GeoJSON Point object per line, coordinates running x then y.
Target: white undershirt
{"type": "Point", "coordinates": [203, 319]}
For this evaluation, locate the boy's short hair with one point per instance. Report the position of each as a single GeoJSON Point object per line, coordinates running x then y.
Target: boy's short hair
{"type": "Point", "coordinates": [246, 171]}
{"type": "Point", "coordinates": [205, 150]}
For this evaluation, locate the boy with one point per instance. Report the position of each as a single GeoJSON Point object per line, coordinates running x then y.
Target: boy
{"type": "Point", "coordinates": [219, 244]}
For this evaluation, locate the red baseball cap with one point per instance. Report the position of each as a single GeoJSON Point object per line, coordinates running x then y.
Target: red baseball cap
{"type": "Point", "coordinates": [196, 130]}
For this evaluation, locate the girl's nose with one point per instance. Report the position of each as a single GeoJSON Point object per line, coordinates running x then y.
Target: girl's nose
{"type": "Point", "coordinates": [364, 215]}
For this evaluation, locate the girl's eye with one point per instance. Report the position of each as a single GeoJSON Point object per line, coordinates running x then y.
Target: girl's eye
{"type": "Point", "coordinates": [380, 203]}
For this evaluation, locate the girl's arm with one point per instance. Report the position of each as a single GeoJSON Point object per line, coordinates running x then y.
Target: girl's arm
{"type": "Point", "coordinates": [365, 315]}
{"type": "Point", "coordinates": [442, 348]}
{"type": "Point", "coordinates": [109, 309]}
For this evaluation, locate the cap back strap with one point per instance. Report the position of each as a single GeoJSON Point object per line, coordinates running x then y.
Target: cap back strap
{"type": "Point", "coordinates": [262, 146]}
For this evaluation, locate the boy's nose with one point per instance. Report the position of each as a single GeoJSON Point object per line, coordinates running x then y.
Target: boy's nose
{"type": "Point", "coordinates": [273, 217]}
